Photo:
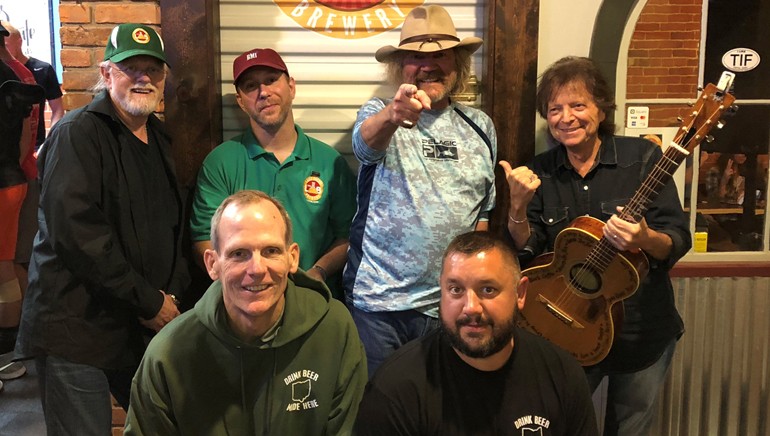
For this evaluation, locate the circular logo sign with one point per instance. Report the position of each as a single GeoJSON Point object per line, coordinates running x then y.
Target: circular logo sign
{"type": "Point", "coordinates": [349, 5]}
{"type": "Point", "coordinates": [314, 188]}
{"type": "Point", "coordinates": [740, 60]}
{"type": "Point", "coordinates": [348, 19]}
{"type": "Point", "coordinates": [141, 36]}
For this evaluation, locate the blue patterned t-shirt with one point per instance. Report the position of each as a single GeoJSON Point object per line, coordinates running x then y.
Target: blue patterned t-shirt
{"type": "Point", "coordinates": [433, 182]}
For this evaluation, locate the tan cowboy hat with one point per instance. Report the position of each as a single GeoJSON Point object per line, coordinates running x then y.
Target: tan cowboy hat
{"type": "Point", "coordinates": [428, 29]}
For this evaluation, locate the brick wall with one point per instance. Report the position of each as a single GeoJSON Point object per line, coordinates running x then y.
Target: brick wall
{"type": "Point", "coordinates": [85, 27]}
{"type": "Point", "coordinates": [663, 56]}
{"type": "Point", "coordinates": [118, 419]}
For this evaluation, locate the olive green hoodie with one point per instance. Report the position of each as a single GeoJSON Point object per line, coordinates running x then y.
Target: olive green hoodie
{"type": "Point", "coordinates": [198, 378]}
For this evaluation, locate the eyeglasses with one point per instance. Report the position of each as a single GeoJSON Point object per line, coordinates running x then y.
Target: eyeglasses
{"type": "Point", "coordinates": [153, 71]}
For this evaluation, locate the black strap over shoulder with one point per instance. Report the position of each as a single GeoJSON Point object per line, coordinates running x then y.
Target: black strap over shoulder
{"type": "Point", "coordinates": [479, 131]}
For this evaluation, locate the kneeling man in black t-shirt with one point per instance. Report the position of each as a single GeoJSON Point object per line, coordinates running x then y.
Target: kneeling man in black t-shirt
{"type": "Point", "coordinates": [478, 374]}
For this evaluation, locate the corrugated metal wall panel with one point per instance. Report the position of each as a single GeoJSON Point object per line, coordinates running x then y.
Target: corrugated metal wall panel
{"type": "Point", "coordinates": [334, 76]}
{"type": "Point", "coordinates": [718, 384]}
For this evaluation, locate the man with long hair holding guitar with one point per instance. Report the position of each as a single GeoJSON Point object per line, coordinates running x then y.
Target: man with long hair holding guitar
{"type": "Point", "coordinates": [590, 171]}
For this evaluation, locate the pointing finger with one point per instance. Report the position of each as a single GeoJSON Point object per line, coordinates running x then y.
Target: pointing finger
{"type": "Point", "coordinates": [407, 90]}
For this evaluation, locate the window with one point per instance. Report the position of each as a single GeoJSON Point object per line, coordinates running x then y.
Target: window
{"type": "Point", "coordinates": [728, 191]}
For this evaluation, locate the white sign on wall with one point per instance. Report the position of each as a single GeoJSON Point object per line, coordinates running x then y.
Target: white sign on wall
{"type": "Point", "coordinates": [638, 117]}
{"type": "Point", "coordinates": [33, 19]}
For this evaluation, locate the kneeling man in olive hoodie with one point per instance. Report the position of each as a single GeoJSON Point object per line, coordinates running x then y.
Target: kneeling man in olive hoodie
{"type": "Point", "coordinates": [266, 350]}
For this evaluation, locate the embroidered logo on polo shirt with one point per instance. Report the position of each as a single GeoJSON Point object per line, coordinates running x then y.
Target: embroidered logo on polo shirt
{"type": "Point", "coordinates": [445, 150]}
{"type": "Point", "coordinates": [302, 395]}
{"type": "Point", "coordinates": [313, 187]}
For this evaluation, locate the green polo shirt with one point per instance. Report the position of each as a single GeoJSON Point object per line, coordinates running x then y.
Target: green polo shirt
{"type": "Point", "coordinates": [315, 185]}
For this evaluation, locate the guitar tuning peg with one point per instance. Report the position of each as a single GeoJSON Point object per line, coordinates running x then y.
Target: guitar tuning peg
{"type": "Point", "coordinates": [680, 119]}
{"type": "Point", "coordinates": [733, 109]}
{"type": "Point", "coordinates": [709, 139]}
{"type": "Point", "coordinates": [691, 104]}
{"type": "Point", "coordinates": [700, 89]}
{"type": "Point", "coordinates": [720, 124]}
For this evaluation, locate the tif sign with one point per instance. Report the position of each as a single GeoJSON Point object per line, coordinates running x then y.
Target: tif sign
{"type": "Point", "coordinates": [740, 60]}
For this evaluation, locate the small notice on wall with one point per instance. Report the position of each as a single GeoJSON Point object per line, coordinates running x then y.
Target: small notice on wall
{"type": "Point", "coordinates": [637, 117]}
{"type": "Point", "coordinates": [740, 59]}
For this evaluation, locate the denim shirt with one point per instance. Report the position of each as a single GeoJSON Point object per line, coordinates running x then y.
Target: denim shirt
{"type": "Point", "coordinates": [651, 320]}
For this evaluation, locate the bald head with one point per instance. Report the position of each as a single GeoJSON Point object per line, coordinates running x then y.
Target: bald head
{"type": "Point", "coordinates": [13, 41]}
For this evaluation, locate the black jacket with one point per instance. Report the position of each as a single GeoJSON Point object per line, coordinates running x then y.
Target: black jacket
{"type": "Point", "coordinates": [88, 273]}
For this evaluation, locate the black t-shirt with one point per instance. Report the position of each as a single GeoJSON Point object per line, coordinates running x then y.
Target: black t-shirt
{"type": "Point", "coordinates": [160, 207]}
{"type": "Point", "coordinates": [45, 76]}
{"type": "Point", "coordinates": [426, 389]}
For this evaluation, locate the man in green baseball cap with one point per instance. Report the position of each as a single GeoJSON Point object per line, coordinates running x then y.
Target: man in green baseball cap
{"type": "Point", "coordinates": [106, 262]}
{"type": "Point", "coordinates": [127, 40]}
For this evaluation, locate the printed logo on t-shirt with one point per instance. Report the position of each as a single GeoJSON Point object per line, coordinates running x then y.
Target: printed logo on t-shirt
{"type": "Point", "coordinates": [433, 149]}
{"type": "Point", "coordinates": [313, 187]}
{"type": "Point", "coordinates": [531, 425]}
{"type": "Point", "coordinates": [301, 385]}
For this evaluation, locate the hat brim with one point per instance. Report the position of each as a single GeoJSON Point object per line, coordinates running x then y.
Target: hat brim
{"type": "Point", "coordinates": [384, 54]}
{"type": "Point", "coordinates": [264, 64]}
{"type": "Point", "coordinates": [120, 57]}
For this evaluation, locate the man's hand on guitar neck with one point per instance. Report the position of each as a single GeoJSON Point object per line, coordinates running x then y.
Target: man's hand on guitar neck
{"type": "Point", "coordinates": [632, 236]}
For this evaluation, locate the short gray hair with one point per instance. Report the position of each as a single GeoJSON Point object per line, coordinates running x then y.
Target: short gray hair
{"type": "Point", "coordinates": [100, 84]}
{"type": "Point", "coordinates": [243, 198]}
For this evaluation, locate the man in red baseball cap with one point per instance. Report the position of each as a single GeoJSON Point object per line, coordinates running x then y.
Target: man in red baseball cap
{"type": "Point", "coordinates": [311, 179]}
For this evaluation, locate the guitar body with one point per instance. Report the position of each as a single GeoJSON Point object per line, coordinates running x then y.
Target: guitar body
{"type": "Point", "coordinates": [570, 301]}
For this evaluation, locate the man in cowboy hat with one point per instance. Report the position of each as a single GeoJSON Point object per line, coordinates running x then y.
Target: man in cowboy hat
{"type": "Point", "coordinates": [427, 175]}
{"type": "Point", "coordinates": [106, 258]}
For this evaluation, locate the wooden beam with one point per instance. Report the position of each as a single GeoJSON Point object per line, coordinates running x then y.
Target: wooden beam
{"type": "Point", "coordinates": [509, 85]}
{"type": "Point", "coordinates": [193, 100]}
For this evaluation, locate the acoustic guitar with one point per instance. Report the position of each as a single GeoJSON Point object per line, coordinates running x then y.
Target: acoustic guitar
{"type": "Point", "coordinates": [575, 295]}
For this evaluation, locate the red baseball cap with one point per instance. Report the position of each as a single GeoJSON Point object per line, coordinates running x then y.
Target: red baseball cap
{"type": "Point", "coordinates": [265, 57]}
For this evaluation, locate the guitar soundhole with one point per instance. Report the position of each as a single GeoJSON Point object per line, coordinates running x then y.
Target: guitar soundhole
{"type": "Point", "coordinates": [585, 279]}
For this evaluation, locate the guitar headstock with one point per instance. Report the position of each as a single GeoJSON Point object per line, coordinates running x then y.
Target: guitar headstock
{"type": "Point", "coordinates": [713, 101]}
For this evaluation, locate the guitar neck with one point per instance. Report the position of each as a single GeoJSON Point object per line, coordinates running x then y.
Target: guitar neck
{"type": "Point", "coordinates": [706, 112]}
{"type": "Point", "coordinates": [654, 183]}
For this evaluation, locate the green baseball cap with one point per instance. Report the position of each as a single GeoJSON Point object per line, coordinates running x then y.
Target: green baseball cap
{"type": "Point", "coordinates": [128, 40]}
